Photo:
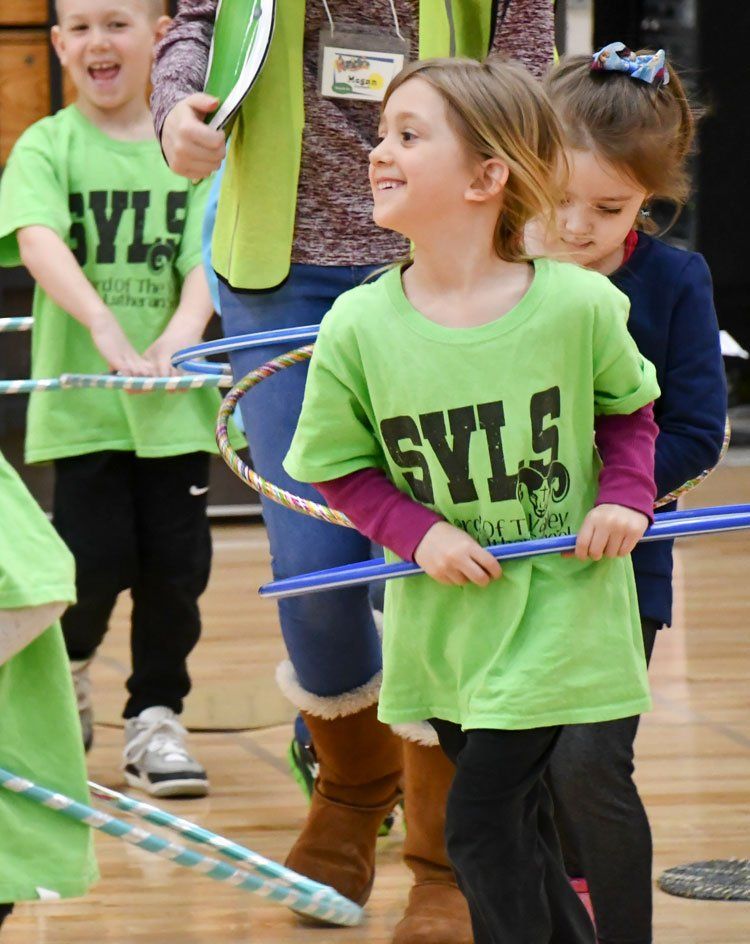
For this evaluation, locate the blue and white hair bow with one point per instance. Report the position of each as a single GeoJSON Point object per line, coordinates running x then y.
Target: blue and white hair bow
{"type": "Point", "coordinates": [616, 57]}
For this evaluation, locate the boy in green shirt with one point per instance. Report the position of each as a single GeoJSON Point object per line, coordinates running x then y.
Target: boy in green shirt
{"type": "Point", "coordinates": [42, 854]}
{"type": "Point", "coordinates": [112, 238]}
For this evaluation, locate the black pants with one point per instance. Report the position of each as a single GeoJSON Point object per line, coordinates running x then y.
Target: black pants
{"type": "Point", "coordinates": [5, 910]}
{"type": "Point", "coordinates": [602, 824]}
{"type": "Point", "coordinates": [501, 838]}
{"type": "Point", "coordinates": [137, 524]}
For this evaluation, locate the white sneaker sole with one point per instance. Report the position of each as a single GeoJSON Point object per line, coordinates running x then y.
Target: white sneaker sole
{"type": "Point", "coordinates": [169, 788]}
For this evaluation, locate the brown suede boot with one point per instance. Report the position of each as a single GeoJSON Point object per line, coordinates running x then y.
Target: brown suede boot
{"type": "Point", "coordinates": [358, 785]}
{"type": "Point", "coordinates": [437, 912]}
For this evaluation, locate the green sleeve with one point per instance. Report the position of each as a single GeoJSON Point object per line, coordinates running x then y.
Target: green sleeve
{"type": "Point", "coordinates": [32, 191]}
{"type": "Point", "coordinates": [191, 246]}
{"type": "Point", "coordinates": [624, 381]}
{"type": "Point", "coordinates": [335, 434]}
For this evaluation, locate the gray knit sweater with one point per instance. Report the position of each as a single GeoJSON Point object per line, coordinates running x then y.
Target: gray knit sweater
{"type": "Point", "coordinates": [334, 206]}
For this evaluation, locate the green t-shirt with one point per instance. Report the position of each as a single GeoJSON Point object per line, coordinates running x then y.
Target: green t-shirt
{"type": "Point", "coordinates": [36, 567]}
{"type": "Point", "coordinates": [134, 227]}
{"type": "Point", "coordinates": [492, 427]}
{"type": "Point", "coordinates": [40, 735]}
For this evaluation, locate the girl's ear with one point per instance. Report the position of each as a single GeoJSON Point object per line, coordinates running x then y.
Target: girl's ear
{"type": "Point", "coordinates": [490, 180]}
{"type": "Point", "coordinates": [162, 25]}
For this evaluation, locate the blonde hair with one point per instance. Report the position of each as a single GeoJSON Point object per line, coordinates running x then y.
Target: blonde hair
{"type": "Point", "coordinates": [645, 130]}
{"type": "Point", "coordinates": [498, 110]}
{"type": "Point", "coordinates": [154, 8]}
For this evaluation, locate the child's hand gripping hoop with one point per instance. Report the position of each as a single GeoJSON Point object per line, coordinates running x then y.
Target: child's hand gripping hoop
{"type": "Point", "coordinates": [209, 377]}
{"type": "Point", "coordinates": [667, 527]}
{"type": "Point", "coordinates": [260, 875]}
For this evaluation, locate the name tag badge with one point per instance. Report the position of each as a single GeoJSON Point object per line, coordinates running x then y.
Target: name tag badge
{"type": "Point", "coordinates": [358, 64]}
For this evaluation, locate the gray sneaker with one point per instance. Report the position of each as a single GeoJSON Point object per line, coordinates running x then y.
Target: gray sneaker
{"type": "Point", "coordinates": [155, 758]}
{"type": "Point", "coordinates": [82, 686]}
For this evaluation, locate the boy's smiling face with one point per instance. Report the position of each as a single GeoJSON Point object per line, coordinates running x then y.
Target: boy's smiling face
{"type": "Point", "coordinates": [107, 48]}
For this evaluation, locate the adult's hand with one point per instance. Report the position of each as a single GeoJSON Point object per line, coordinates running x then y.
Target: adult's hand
{"type": "Point", "coordinates": [193, 149]}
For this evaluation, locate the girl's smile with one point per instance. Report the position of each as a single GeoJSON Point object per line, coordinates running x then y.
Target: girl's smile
{"type": "Point", "coordinates": [418, 152]}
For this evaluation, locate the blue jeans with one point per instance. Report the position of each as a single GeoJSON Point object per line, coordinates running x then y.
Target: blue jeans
{"type": "Point", "coordinates": [330, 637]}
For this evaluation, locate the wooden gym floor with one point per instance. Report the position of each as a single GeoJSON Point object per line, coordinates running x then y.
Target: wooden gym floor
{"type": "Point", "coordinates": [693, 763]}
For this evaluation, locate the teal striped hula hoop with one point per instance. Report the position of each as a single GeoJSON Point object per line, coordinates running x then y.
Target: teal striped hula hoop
{"type": "Point", "coordinates": [113, 382]}
{"type": "Point", "coordinates": [231, 850]}
{"type": "Point", "coordinates": [16, 324]}
{"type": "Point", "coordinates": [317, 901]}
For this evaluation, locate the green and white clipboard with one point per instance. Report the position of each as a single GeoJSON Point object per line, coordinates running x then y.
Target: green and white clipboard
{"type": "Point", "coordinates": [243, 30]}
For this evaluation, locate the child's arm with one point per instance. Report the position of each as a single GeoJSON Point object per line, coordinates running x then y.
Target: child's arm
{"type": "Point", "coordinates": [191, 148]}
{"type": "Point", "coordinates": [624, 505]}
{"type": "Point", "coordinates": [624, 383]}
{"type": "Point", "coordinates": [186, 325]}
{"type": "Point", "coordinates": [22, 625]}
{"type": "Point", "coordinates": [692, 408]}
{"type": "Point", "coordinates": [55, 269]}
{"type": "Point", "coordinates": [335, 439]}
{"type": "Point", "coordinates": [389, 517]}
{"type": "Point", "coordinates": [626, 445]}
{"type": "Point", "coordinates": [379, 510]}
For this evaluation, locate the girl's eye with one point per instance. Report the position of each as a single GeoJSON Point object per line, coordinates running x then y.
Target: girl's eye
{"type": "Point", "coordinates": [610, 211]}
{"type": "Point", "coordinates": [118, 25]}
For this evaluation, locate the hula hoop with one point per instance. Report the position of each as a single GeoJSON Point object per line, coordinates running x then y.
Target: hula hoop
{"type": "Point", "coordinates": [112, 382]}
{"type": "Point", "coordinates": [231, 850]}
{"type": "Point", "coordinates": [140, 384]}
{"type": "Point", "coordinates": [699, 479]}
{"type": "Point", "coordinates": [16, 324]}
{"type": "Point", "coordinates": [279, 495]}
{"type": "Point", "coordinates": [241, 469]}
{"type": "Point", "coordinates": [678, 525]}
{"type": "Point", "coordinates": [11, 387]}
{"type": "Point", "coordinates": [318, 901]}
{"type": "Point", "coordinates": [241, 342]}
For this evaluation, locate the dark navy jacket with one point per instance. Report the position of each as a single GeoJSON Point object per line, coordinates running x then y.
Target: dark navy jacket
{"type": "Point", "coordinates": [673, 322]}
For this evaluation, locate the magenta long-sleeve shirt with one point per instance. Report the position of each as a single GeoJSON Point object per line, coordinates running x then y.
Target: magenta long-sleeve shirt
{"type": "Point", "coordinates": [391, 518]}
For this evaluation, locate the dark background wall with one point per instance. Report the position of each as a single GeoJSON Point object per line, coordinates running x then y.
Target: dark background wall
{"type": "Point", "coordinates": [707, 40]}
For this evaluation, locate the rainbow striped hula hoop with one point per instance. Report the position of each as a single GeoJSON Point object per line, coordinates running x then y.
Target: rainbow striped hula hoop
{"type": "Point", "coordinates": [694, 483]}
{"type": "Point", "coordinates": [241, 469]}
{"type": "Point", "coordinates": [287, 888]}
{"type": "Point", "coordinates": [279, 495]}
{"type": "Point", "coordinates": [16, 324]}
{"type": "Point", "coordinates": [112, 382]}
